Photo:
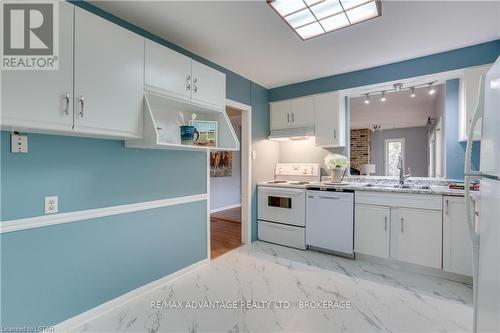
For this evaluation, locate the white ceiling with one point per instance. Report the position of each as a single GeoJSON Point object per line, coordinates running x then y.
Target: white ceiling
{"type": "Point", "coordinates": [250, 39]}
{"type": "Point", "coordinates": [398, 111]}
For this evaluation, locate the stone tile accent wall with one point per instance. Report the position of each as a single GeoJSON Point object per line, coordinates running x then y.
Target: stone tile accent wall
{"type": "Point", "coordinates": [360, 147]}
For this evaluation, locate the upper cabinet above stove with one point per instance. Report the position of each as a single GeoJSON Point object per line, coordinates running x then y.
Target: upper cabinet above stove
{"type": "Point", "coordinates": [321, 116]}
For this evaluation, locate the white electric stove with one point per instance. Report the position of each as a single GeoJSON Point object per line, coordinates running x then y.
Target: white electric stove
{"type": "Point", "coordinates": [282, 204]}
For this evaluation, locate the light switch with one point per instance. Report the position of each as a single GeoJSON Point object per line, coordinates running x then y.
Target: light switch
{"type": "Point", "coordinates": [19, 143]}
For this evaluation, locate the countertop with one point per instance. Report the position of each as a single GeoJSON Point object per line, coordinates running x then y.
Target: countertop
{"type": "Point", "coordinates": [433, 189]}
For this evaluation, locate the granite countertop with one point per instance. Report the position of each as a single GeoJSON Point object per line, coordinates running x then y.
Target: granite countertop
{"type": "Point", "coordinates": [417, 185]}
{"type": "Point", "coordinates": [432, 189]}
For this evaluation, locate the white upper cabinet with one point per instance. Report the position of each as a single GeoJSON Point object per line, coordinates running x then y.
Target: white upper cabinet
{"type": "Point", "coordinates": [329, 115]}
{"type": "Point", "coordinates": [208, 86]}
{"type": "Point", "coordinates": [109, 78]}
{"type": "Point", "coordinates": [302, 112]}
{"type": "Point", "coordinates": [457, 245]}
{"type": "Point", "coordinates": [42, 101]}
{"type": "Point", "coordinates": [470, 91]}
{"type": "Point", "coordinates": [416, 236]}
{"type": "Point", "coordinates": [372, 230]}
{"type": "Point", "coordinates": [280, 114]}
{"type": "Point", "coordinates": [294, 113]}
{"type": "Point", "coordinates": [167, 71]}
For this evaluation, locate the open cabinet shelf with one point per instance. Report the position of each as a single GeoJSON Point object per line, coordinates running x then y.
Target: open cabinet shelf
{"type": "Point", "coordinates": [161, 127]}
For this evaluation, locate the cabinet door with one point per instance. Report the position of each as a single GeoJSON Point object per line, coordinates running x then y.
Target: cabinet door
{"type": "Point", "coordinates": [371, 230]}
{"type": "Point", "coordinates": [302, 112]}
{"type": "Point", "coordinates": [280, 115]}
{"type": "Point", "coordinates": [457, 246]}
{"type": "Point", "coordinates": [471, 90]}
{"type": "Point", "coordinates": [208, 87]}
{"type": "Point", "coordinates": [416, 236]}
{"type": "Point", "coordinates": [42, 100]}
{"type": "Point", "coordinates": [329, 119]}
{"type": "Point", "coordinates": [109, 78]}
{"type": "Point", "coordinates": [167, 71]}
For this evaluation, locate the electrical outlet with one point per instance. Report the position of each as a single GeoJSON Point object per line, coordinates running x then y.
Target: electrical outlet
{"type": "Point", "coordinates": [19, 143]}
{"type": "Point", "coordinates": [51, 205]}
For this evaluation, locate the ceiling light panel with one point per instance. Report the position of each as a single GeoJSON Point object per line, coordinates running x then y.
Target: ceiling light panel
{"type": "Point", "coordinates": [326, 8]}
{"type": "Point", "coordinates": [310, 30]}
{"type": "Point", "coordinates": [311, 18]}
{"type": "Point", "coordinates": [301, 18]}
{"type": "Point", "coordinates": [362, 13]}
{"type": "Point", "coordinates": [287, 7]}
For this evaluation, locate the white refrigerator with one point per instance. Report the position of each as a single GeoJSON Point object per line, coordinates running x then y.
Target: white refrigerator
{"type": "Point", "coordinates": [486, 235]}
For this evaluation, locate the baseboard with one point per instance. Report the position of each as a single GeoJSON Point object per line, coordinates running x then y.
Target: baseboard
{"type": "Point", "coordinates": [74, 322]}
{"type": "Point", "coordinates": [220, 209]}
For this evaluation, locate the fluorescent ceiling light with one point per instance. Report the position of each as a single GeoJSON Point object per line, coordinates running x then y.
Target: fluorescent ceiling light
{"type": "Point", "coordinates": [311, 18]}
{"type": "Point", "coordinates": [362, 13]}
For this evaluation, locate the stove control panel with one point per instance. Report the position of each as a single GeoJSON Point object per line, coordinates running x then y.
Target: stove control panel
{"type": "Point", "coordinates": [289, 169]}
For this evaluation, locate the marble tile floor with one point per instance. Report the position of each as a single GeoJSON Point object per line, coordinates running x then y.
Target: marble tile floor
{"type": "Point", "coordinates": [343, 295]}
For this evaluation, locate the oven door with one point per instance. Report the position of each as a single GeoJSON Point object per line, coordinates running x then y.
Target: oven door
{"type": "Point", "coordinates": [282, 205]}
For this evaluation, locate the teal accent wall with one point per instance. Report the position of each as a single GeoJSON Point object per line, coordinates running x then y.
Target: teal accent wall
{"type": "Point", "coordinates": [455, 150]}
{"type": "Point", "coordinates": [54, 273]}
{"type": "Point", "coordinates": [476, 55]}
{"type": "Point", "coordinates": [92, 173]}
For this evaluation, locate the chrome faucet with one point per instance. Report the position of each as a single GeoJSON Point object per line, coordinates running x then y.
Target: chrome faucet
{"type": "Point", "coordinates": [402, 176]}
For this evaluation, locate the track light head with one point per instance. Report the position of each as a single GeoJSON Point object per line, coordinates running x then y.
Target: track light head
{"type": "Point", "coordinates": [413, 94]}
{"type": "Point", "coordinates": [367, 98]}
{"type": "Point", "coordinates": [382, 97]}
{"type": "Point", "coordinates": [432, 90]}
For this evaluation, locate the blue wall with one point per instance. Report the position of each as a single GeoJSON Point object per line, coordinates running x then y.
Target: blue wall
{"type": "Point", "coordinates": [461, 58]}
{"type": "Point", "coordinates": [92, 173]}
{"type": "Point", "coordinates": [53, 273]}
{"type": "Point", "coordinates": [455, 151]}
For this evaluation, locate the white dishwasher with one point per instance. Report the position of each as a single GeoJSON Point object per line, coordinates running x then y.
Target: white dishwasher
{"type": "Point", "coordinates": [330, 221]}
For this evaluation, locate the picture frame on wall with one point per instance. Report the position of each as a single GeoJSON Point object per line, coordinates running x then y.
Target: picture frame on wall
{"type": "Point", "coordinates": [208, 134]}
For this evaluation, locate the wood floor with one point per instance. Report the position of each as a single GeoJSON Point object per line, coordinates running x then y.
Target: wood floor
{"type": "Point", "coordinates": [225, 231]}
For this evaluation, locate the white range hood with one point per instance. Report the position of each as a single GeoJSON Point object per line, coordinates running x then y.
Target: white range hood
{"type": "Point", "coordinates": [288, 134]}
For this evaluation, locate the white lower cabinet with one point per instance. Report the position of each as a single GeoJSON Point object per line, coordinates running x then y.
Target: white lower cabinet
{"type": "Point", "coordinates": [416, 236]}
{"type": "Point", "coordinates": [403, 227]}
{"type": "Point", "coordinates": [457, 245]}
{"type": "Point", "coordinates": [372, 230]}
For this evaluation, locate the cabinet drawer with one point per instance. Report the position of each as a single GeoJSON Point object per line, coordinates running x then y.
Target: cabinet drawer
{"type": "Point", "coordinates": [409, 200]}
{"type": "Point", "coordinates": [282, 234]}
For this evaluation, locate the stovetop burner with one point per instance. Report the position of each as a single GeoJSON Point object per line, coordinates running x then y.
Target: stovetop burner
{"type": "Point", "coordinates": [277, 182]}
{"type": "Point", "coordinates": [299, 183]}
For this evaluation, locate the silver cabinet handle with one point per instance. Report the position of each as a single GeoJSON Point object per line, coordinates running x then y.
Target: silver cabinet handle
{"type": "Point", "coordinates": [188, 82]}
{"type": "Point", "coordinates": [385, 223]}
{"type": "Point", "coordinates": [288, 118]}
{"type": "Point", "coordinates": [331, 198]}
{"type": "Point", "coordinates": [402, 227]}
{"type": "Point", "coordinates": [82, 105]}
{"type": "Point", "coordinates": [447, 206]}
{"type": "Point", "coordinates": [293, 117]}
{"type": "Point", "coordinates": [66, 108]}
{"type": "Point", "coordinates": [334, 134]}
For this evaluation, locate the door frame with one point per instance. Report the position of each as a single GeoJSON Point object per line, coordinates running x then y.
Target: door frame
{"type": "Point", "coordinates": [246, 174]}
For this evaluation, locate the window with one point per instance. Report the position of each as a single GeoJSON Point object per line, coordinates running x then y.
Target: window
{"type": "Point", "coordinates": [394, 148]}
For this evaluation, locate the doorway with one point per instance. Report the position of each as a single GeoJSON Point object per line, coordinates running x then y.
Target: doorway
{"type": "Point", "coordinates": [229, 186]}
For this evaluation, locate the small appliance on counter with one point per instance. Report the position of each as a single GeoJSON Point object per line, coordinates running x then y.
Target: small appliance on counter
{"type": "Point", "coordinates": [282, 204]}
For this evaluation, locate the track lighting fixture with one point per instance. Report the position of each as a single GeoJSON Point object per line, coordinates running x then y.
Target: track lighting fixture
{"type": "Point", "coordinates": [382, 97]}
{"type": "Point", "coordinates": [367, 98]}
{"type": "Point", "coordinates": [413, 94]}
{"type": "Point", "coordinates": [432, 90]}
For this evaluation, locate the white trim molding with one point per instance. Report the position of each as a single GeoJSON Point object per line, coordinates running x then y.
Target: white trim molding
{"type": "Point", "coordinates": [220, 209]}
{"type": "Point", "coordinates": [73, 323]}
{"type": "Point", "coordinates": [46, 220]}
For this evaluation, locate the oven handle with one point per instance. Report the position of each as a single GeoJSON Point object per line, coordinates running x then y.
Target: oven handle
{"type": "Point", "coordinates": [281, 191]}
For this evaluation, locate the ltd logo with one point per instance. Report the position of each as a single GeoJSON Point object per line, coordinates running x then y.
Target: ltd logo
{"type": "Point", "coordinates": [29, 35]}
